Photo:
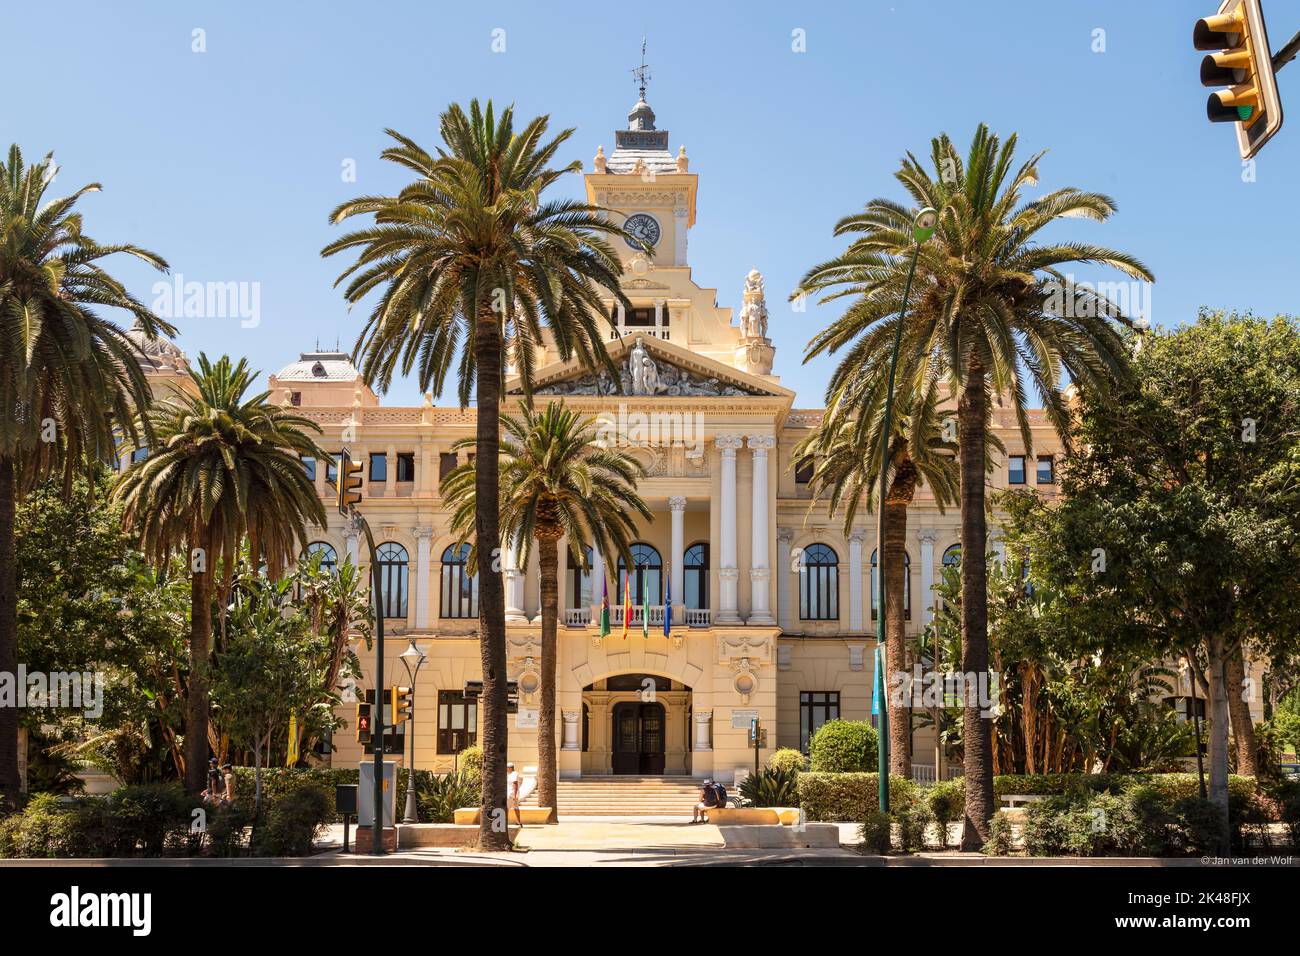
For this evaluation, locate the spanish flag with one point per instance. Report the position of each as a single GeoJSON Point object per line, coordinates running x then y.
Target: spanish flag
{"type": "Point", "coordinates": [627, 603]}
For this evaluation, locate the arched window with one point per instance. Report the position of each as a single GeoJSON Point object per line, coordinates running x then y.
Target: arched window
{"type": "Point", "coordinates": [647, 577]}
{"type": "Point", "coordinates": [580, 587]}
{"type": "Point", "coordinates": [459, 588]}
{"type": "Point", "coordinates": [952, 557]}
{"type": "Point", "coordinates": [695, 576]}
{"type": "Point", "coordinates": [819, 584]}
{"type": "Point", "coordinates": [329, 558]}
{"type": "Point", "coordinates": [393, 571]}
{"type": "Point", "coordinates": [907, 586]}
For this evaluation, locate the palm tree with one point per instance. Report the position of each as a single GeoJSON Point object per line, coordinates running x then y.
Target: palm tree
{"type": "Point", "coordinates": [989, 300]}
{"type": "Point", "coordinates": [558, 480]}
{"type": "Point", "coordinates": [223, 467]}
{"type": "Point", "coordinates": [473, 263]}
{"type": "Point", "coordinates": [68, 377]}
{"type": "Point", "coordinates": [845, 448]}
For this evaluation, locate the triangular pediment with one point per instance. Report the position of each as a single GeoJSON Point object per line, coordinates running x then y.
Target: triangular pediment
{"type": "Point", "coordinates": [666, 371]}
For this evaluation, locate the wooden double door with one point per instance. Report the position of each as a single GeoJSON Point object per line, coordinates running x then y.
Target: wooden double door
{"type": "Point", "coordinates": [638, 738]}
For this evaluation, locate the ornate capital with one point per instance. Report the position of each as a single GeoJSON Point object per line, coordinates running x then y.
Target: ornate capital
{"type": "Point", "coordinates": [761, 444]}
{"type": "Point", "coordinates": [759, 574]}
{"type": "Point", "coordinates": [704, 716]}
{"type": "Point", "coordinates": [729, 574]}
{"type": "Point", "coordinates": [571, 716]}
{"type": "Point", "coordinates": [422, 532]}
{"type": "Point", "coordinates": [728, 444]}
{"type": "Point", "coordinates": [858, 535]}
{"type": "Point", "coordinates": [927, 535]}
{"type": "Point", "coordinates": [677, 503]}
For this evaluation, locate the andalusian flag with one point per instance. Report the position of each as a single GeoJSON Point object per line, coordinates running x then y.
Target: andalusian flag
{"type": "Point", "coordinates": [668, 602]}
{"type": "Point", "coordinates": [627, 603]}
{"type": "Point", "coordinates": [604, 607]}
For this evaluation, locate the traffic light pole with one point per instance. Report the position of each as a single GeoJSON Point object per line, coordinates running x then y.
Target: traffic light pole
{"type": "Point", "coordinates": [1288, 53]}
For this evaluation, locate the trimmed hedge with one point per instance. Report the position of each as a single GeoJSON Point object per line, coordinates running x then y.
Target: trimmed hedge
{"type": "Point", "coordinates": [432, 790]}
{"type": "Point", "coordinates": [844, 746]}
{"type": "Point", "coordinates": [850, 797]}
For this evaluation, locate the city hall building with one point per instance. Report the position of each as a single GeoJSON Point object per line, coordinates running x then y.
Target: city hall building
{"type": "Point", "coordinates": [773, 611]}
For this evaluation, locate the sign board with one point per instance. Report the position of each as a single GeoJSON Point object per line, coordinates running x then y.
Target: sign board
{"type": "Point", "coordinates": [741, 719]}
{"type": "Point", "coordinates": [527, 718]}
{"type": "Point", "coordinates": [366, 794]}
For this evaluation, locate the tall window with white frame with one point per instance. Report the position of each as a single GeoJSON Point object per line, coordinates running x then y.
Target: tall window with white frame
{"type": "Point", "coordinates": [394, 569]}
{"type": "Point", "coordinates": [580, 580]}
{"type": "Point", "coordinates": [459, 587]}
{"type": "Point", "coordinates": [695, 576]}
{"type": "Point", "coordinates": [907, 586]}
{"type": "Point", "coordinates": [819, 583]}
{"type": "Point", "coordinates": [816, 707]}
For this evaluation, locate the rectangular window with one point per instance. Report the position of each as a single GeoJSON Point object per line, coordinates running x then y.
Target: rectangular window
{"type": "Point", "coordinates": [309, 466]}
{"type": "Point", "coordinates": [457, 722]}
{"type": "Point", "coordinates": [1016, 470]}
{"type": "Point", "coordinates": [378, 467]}
{"type": "Point", "coordinates": [446, 462]}
{"type": "Point", "coordinates": [295, 399]}
{"type": "Point", "coordinates": [639, 317]}
{"type": "Point", "coordinates": [332, 467]}
{"type": "Point", "coordinates": [815, 708]}
{"type": "Point", "coordinates": [406, 466]}
{"type": "Point", "coordinates": [1046, 470]}
{"type": "Point", "coordinates": [803, 472]}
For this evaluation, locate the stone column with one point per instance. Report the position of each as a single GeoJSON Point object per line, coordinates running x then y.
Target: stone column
{"type": "Point", "coordinates": [352, 544]}
{"type": "Point", "coordinates": [572, 739]}
{"type": "Point", "coordinates": [760, 572]}
{"type": "Point", "coordinates": [703, 731]}
{"type": "Point", "coordinates": [728, 573]}
{"type": "Point", "coordinates": [423, 542]}
{"type": "Point", "coordinates": [597, 581]}
{"type": "Point", "coordinates": [677, 579]}
{"type": "Point", "coordinates": [855, 580]}
{"type": "Point", "coordinates": [514, 576]}
{"type": "Point", "coordinates": [927, 537]}
{"type": "Point", "coordinates": [681, 221]}
{"type": "Point", "coordinates": [784, 539]}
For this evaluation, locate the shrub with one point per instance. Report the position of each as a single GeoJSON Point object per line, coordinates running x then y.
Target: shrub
{"type": "Point", "coordinates": [439, 797]}
{"type": "Point", "coordinates": [999, 841]}
{"type": "Point", "coordinates": [946, 801]}
{"type": "Point", "coordinates": [912, 823]}
{"type": "Point", "coordinates": [771, 787]}
{"type": "Point", "coordinates": [850, 797]}
{"type": "Point", "coordinates": [874, 831]}
{"type": "Point", "coordinates": [1286, 795]}
{"type": "Point", "coordinates": [150, 818]}
{"type": "Point", "coordinates": [788, 759]}
{"type": "Point", "coordinates": [844, 746]}
{"type": "Point", "coordinates": [293, 822]}
{"type": "Point", "coordinates": [279, 782]}
{"type": "Point", "coordinates": [1143, 820]}
{"type": "Point", "coordinates": [471, 761]}
{"type": "Point", "coordinates": [226, 827]}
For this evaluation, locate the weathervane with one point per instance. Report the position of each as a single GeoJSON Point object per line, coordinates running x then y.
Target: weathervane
{"type": "Point", "coordinates": [642, 72]}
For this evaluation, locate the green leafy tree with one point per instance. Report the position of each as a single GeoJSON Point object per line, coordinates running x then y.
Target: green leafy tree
{"type": "Point", "coordinates": [992, 312]}
{"type": "Point", "coordinates": [1181, 508]}
{"type": "Point", "coordinates": [68, 376]}
{"type": "Point", "coordinates": [476, 266]}
{"type": "Point", "coordinates": [224, 466]}
{"type": "Point", "coordinates": [558, 480]}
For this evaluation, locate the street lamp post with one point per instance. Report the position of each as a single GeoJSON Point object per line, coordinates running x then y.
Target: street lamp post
{"type": "Point", "coordinates": [412, 655]}
{"type": "Point", "coordinates": [922, 229]}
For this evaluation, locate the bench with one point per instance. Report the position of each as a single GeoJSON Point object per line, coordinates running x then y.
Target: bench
{"type": "Point", "coordinates": [752, 816]}
{"type": "Point", "coordinates": [441, 834]}
{"type": "Point", "coordinates": [1016, 800]}
{"type": "Point", "coordinates": [467, 816]}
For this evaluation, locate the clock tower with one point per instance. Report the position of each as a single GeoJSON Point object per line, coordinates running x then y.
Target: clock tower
{"type": "Point", "coordinates": [649, 189]}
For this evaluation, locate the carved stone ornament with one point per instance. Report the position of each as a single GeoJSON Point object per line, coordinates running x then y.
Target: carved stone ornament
{"type": "Point", "coordinates": [642, 375]}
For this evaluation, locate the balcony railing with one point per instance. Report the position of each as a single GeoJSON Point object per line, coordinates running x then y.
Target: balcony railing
{"type": "Point", "coordinates": [583, 617]}
{"type": "Point", "coordinates": [649, 331]}
{"type": "Point", "coordinates": [923, 773]}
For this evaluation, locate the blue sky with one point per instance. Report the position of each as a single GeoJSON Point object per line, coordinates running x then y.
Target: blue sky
{"type": "Point", "coordinates": [228, 161]}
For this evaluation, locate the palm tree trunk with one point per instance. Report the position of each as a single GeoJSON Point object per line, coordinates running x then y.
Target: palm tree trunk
{"type": "Point", "coordinates": [1243, 728]}
{"type": "Point", "coordinates": [494, 833]}
{"type": "Point", "coordinates": [547, 768]}
{"type": "Point", "coordinates": [977, 742]}
{"type": "Point", "coordinates": [1218, 714]}
{"type": "Point", "coordinates": [196, 715]}
{"type": "Point", "coordinates": [9, 777]}
{"type": "Point", "coordinates": [900, 713]}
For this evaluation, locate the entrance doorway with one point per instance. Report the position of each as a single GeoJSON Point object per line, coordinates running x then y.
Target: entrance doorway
{"type": "Point", "coordinates": [638, 744]}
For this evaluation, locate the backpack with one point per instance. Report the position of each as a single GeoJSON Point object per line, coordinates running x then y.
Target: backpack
{"type": "Point", "coordinates": [721, 791]}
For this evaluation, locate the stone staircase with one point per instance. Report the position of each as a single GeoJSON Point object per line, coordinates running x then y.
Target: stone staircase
{"type": "Point", "coordinates": [626, 796]}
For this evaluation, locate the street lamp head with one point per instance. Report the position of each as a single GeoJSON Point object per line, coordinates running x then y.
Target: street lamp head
{"type": "Point", "coordinates": [413, 658]}
{"type": "Point", "coordinates": [924, 223]}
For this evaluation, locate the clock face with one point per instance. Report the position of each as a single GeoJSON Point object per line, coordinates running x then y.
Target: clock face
{"type": "Point", "coordinates": [644, 227]}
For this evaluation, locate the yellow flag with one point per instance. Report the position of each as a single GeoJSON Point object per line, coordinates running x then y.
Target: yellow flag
{"type": "Point", "coordinates": [293, 740]}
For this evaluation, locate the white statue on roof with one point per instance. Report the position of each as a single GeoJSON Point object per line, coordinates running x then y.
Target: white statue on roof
{"type": "Point", "coordinates": [753, 314]}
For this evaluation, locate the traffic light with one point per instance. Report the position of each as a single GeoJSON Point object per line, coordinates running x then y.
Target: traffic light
{"type": "Point", "coordinates": [401, 700]}
{"type": "Point", "coordinates": [348, 482]}
{"type": "Point", "coordinates": [1244, 65]}
{"type": "Point", "coordinates": [363, 724]}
